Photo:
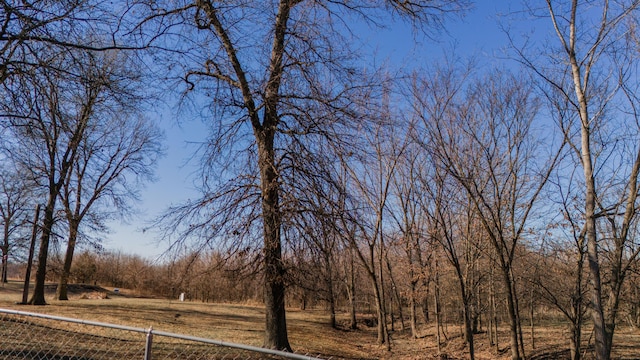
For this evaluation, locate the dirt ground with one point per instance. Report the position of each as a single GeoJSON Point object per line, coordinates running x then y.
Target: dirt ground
{"type": "Point", "coordinates": [309, 331]}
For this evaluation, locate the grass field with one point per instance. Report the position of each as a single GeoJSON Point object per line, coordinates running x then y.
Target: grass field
{"type": "Point", "coordinates": [309, 331]}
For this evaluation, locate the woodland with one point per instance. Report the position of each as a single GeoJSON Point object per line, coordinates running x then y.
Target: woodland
{"type": "Point", "coordinates": [458, 191]}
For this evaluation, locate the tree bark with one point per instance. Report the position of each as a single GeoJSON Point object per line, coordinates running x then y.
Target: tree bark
{"type": "Point", "coordinates": [330, 292]}
{"type": "Point", "coordinates": [38, 297]}
{"type": "Point", "coordinates": [413, 308]}
{"type": "Point", "coordinates": [351, 286]}
{"type": "Point", "coordinates": [590, 193]}
{"type": "Point", "coordinates": [276, 325]}
{"type": "Point", "coordinates": [382, 316]}
{"type": "Point", "coordinates": [513, 316]}
{"type": "Point", "coordinates": [493, 321]}
{"type": "Point", "coordinates": [574, 341]}
{"type": "Point", "coordinates": [5, 252]}
{"type": "Point", "coordinates": [468, 328]}
{"type": "Point", "coordinates": [532, 320]}
{"type": "Point", "coordinates": [437, 311]}
{"type": "Point", "coordinates": [5, 257]}
{"type": "Point", "coordinates": [32, 245]}
{"type": "Point", "coordinates": [61, 291]}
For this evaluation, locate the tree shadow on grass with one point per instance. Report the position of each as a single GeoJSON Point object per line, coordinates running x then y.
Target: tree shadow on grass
{"type": "Point", "coordinates": [563, 354]}
{"type": "Point", "coordinates": [552, 355]}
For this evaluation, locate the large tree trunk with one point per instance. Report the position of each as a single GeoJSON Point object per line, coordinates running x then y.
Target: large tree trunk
{"type": "Point", "coordinates": [590, 199]}
{"type": "Point", "coordinates": [332, 309]}
{"type": "Point", "coordinates": [592, 245]}
{"type": "Point", "coordinates": [43, 254]}
{"type": "Point", "coordinates": [612, 308]}
{"type": "Point", "coordinates": [32, 245]}
{"type": "Point", "coordinates": [61, 291]}
{"type": "Point", "coordinates": [381, 298]}
{"type": "Point", "coordinates": [5, 253]}
{"type": "Point", "coordinates": [380, 310]}
{"type": "Point", "coordinates": [575, 326]}
{"type": "Point", "coordinates": [276, 324]}
{"type": "Point", "coordinates": [512, 311]}
{"type": "Point", "coordinates": [493, 321]}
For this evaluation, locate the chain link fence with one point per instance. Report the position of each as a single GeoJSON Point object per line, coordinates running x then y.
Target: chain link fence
{"type": "Point", "coordinates": [25, 335]}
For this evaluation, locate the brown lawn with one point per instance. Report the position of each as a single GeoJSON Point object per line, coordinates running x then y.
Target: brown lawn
{"type": "Point", "coordinates": [309, 331]}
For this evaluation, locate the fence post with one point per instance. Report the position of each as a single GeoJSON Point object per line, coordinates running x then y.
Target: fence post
{"type": "Point", "coordinates": [147, 347]}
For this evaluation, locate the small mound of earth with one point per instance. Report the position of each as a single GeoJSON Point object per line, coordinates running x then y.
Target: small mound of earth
{"type": "Point", "coordinates": [82, 291]}
{"type": "Point", "coordinates": [95, 295]}
{"type": "Point", "coordinates": [84, 288]}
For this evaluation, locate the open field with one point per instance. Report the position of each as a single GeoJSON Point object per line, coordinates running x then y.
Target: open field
{"type": "Point", "coordinates": [309, 331]}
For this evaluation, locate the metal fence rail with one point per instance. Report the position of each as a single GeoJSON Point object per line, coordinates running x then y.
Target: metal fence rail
{"type": "Point", "coordinates": [25, 335]}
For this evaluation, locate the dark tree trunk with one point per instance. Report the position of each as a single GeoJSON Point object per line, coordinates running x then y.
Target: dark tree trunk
{"type": "Point", "coordinates": [61, 291]}
{"type": "Point", "coordinates": [436, 303]}
{"type": "Point", "coordinates": [493, 321]}
{"type": "Point", "coordinates": [574, 343]}
{"type": "Point", "coordinates": [32, 245]}
{"type": "Point", "coordinates": [5, 257]}
{"type": "Point", "coordinates": [380, 310]}
{"type": "Point", "coordinates": [613, 305]}
{"type": "Point", "coordinates": [513, 315]}
{"type": "Point", "coordinates": [413, 309]}
{"type": "Point", "coordinates": [425, 304]}
{"type": "Point", "coordinates": [466, 311]}
{"type": "Point", "coordinates": [330, 292]}
{"type": "Point", "coordinates": [43, 254]}
{"type": "Point", "coordinates": [276, 324]}
{"type": "Point", "coordinates": [5, 253]}
{"type": "Point", "coordinates": [352, 292]}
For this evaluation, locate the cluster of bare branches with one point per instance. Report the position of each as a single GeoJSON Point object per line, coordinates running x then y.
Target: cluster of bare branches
{"type": "Point", "coordinates": [326, 169]}
{"type": "Point", "coordinates": [73, 132]}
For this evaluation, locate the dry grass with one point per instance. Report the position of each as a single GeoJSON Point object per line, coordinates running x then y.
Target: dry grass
{"type": "Point", "coordinates": [309, 331]}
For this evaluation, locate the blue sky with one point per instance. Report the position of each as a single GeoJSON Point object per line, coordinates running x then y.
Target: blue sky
{"type": "Point", "coordinates": [477, 34]}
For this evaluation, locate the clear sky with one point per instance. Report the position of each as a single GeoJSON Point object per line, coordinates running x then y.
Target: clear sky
{"type": "Point", "coordinates": [478, 34]}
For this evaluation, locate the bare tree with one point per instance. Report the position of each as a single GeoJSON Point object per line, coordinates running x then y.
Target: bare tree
{"type": "Point", "coordinates": [594, 74]}
{"type": "Point", "coordinates": [115, 157]}
{"type": "Point", "coordinates": [48, 116]}
{"type": "Point", "coordinates": [483, 137]}
{"type": "Point", "coordinates": [28, 27]}
{"type": "Point", "coordinates": [371, 179]}
{"type": "Point", "coordinates": [14, 208]}
{"type": "Point", "coordinates": [407, 196]}
{"type": "Point", "coordinates": [274, 76]}
{"type": "Point", "coordinates": [456, 230]}
{"type": "Point", "coordinates": [315, 223]}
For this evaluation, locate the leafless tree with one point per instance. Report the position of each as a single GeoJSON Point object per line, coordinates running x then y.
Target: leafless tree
{"type": "Point", "coordinates": [48, 115]}
{"type": "Point", "coordinates": [595, 74]}
{"type": "Point", "coordinates": [314, 222]}
{"type": "Point", "coordinates": [456, 230]}
{"type": "Point", "coordinates": [28, 27]}
{"type": "Point", "coordinates": [371, 177]}
{"type": "Point", "coordinates": [482, 134]}
{"type": "Point", "coordinates": [15, 204]}
{"type": "Point", "coordinates": [274, 76]}
{"type": "Point", "coordinates": [115, 157]}
{"type": "Point", "coordinates": [405, 208]}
